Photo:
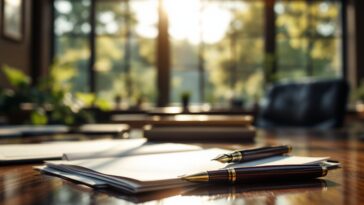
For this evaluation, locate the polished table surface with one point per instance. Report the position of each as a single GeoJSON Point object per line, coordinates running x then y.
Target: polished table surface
{"type": "Point", "coordinates": [20, 184]}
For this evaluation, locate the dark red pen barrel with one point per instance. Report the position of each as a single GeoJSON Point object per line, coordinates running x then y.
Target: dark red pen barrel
{"type": "Point", "coordinates": [267, 173]}
{"type": "Point", "coordinates": [248, 155]}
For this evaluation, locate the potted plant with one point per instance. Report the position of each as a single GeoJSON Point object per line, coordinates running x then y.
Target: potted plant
{"type": "Point", "coordinates": [47, 101]}
{"type": "Point", "coordinates": [185, 99]}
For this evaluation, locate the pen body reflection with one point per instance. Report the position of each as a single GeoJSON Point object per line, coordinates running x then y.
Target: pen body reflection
{"type": "Point", "coordinates": [247, 189]}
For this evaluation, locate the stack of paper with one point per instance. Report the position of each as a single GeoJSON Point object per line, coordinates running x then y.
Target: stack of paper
{"type": "Point", "coordinates": [71, 150]}
{"type": "Point", "coordinates": [151, 172]}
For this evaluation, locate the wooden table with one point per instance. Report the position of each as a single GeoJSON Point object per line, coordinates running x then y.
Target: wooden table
{"type": "Point", "coordinates": [20, 184]}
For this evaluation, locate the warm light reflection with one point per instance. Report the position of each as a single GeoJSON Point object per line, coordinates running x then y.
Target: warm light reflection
{"type": "Point", "coordinates": [63, 7]}
{"type": "Point", "coordinates": [193, 21]}
{"type": "Point", "coordinates": [147, 18]}
{"type": "Point", "coordinates": [180, 200]}
{"type": "Point", "coordinates": [191, 117]}
{"type": "Point", "coordinates": [14, 3]}
{"type": "Point", "coordinates": [360, 107]}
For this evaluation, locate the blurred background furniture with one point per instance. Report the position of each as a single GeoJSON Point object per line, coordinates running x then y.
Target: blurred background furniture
{"type": "Point", "coordinates": [317, 104]}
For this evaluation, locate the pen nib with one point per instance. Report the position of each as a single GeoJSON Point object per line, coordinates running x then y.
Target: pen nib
{"type": "Point", "coordinates": [223, 158]}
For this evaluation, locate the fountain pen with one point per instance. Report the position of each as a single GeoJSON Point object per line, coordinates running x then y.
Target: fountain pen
{"type": "Point", "coordinates": [253, 154]}
{"type": "Point", "coordinates": [262, 173]}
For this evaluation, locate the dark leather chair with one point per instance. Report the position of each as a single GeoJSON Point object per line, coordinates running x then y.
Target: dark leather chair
{"type": "Point", "coordinates": [318, 104]}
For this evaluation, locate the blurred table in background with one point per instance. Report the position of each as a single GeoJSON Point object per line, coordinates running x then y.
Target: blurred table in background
{"type": "Point", "coordinates": [201, 120]}
{"type": "Point", "coordinates": [200, 110]}
{"type": "Point", "coordinates": [139, 120]}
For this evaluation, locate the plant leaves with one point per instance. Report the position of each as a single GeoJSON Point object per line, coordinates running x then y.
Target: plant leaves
{"type": "Point", "coordinates": [16, 77]}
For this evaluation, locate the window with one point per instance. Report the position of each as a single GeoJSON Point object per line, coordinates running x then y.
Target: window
{"type": "Point", "coordinates": [308, 38]}
{"type": "Point", "coordinates": [124, 51]}
{"type": "Point", "coordinates": [218, 48]}
{"type": "Point", "coordinates": [71, 44]}
{"type": "Point", "coordinates": [210, 58]}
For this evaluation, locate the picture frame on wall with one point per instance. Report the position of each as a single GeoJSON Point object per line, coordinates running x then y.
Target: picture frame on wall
{"type": "Point", "coordinates": [12, 19]}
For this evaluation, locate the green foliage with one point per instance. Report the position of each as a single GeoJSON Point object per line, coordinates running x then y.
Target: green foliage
{"type": "Point", "coordinates": [185, 95]}
{"type": "Point", "coordinates": [103, 104]}
{"type": "Point", "coordinates": [39, 117]}
{"type": "Point", "coordinates": [11, 99]}
{"type": "Point", "coordinates": [252, 69]}
{"type": "Point", "coordinates": [16, 77]}
{"type": "Point", "coordinates": [125, 63]}
{"type": "Point", "coordinates": [358, 94]}
{"type": "Point", "coordinates": [50, 99]}
{"type": "Point", "coordinates": [237, 63]}
{"type": "Point", "coordinates": [87, 98]}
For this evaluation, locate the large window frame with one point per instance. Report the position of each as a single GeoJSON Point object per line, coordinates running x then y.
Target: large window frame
{"type": "Point", "coordinates": [163, 61]}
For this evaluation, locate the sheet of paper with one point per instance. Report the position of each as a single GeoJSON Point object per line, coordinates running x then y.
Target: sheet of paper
{"type": "Point", "coordinates": [169, 166]}
{"type": "Point", "coordinates": [56, 149]}
{"type": "Point", "coordinates": [79, 178]}
{"type": "Point", "coordinates": [152, 167]}
{"type": "Point", "coordinates": [121, 151]}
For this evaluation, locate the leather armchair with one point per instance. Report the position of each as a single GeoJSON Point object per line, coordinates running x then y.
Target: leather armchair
{"type": "Point", "coordinates": [319, 104]}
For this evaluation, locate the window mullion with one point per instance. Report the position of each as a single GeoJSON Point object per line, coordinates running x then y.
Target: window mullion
{"type": "Point", "coordinates": [163, 57]}
{"type": "Point", "coordinates": [92, 42]}
{"type": "Point", "coordinates": [127, 54]}
{"type": "Point", "coordinates": [201, 64]}
{"type": "Point", "coordinates": [270, 41]}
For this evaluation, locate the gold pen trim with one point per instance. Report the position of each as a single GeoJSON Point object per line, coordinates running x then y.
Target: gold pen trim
{"type": "Point", "coordinates": [236, 156]}
{"type": "Point", "coordinates": [324, 171]}
{"type": "Point", "coordinates": [225, 158]}
{"type": "Point", "coordinates": [199, 177]}
{"type": "Point", "coordinates": [231, 174]}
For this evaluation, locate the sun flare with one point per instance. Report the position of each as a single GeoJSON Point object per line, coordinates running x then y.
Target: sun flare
{"type": "Point", "coordinates": [196, 21]}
